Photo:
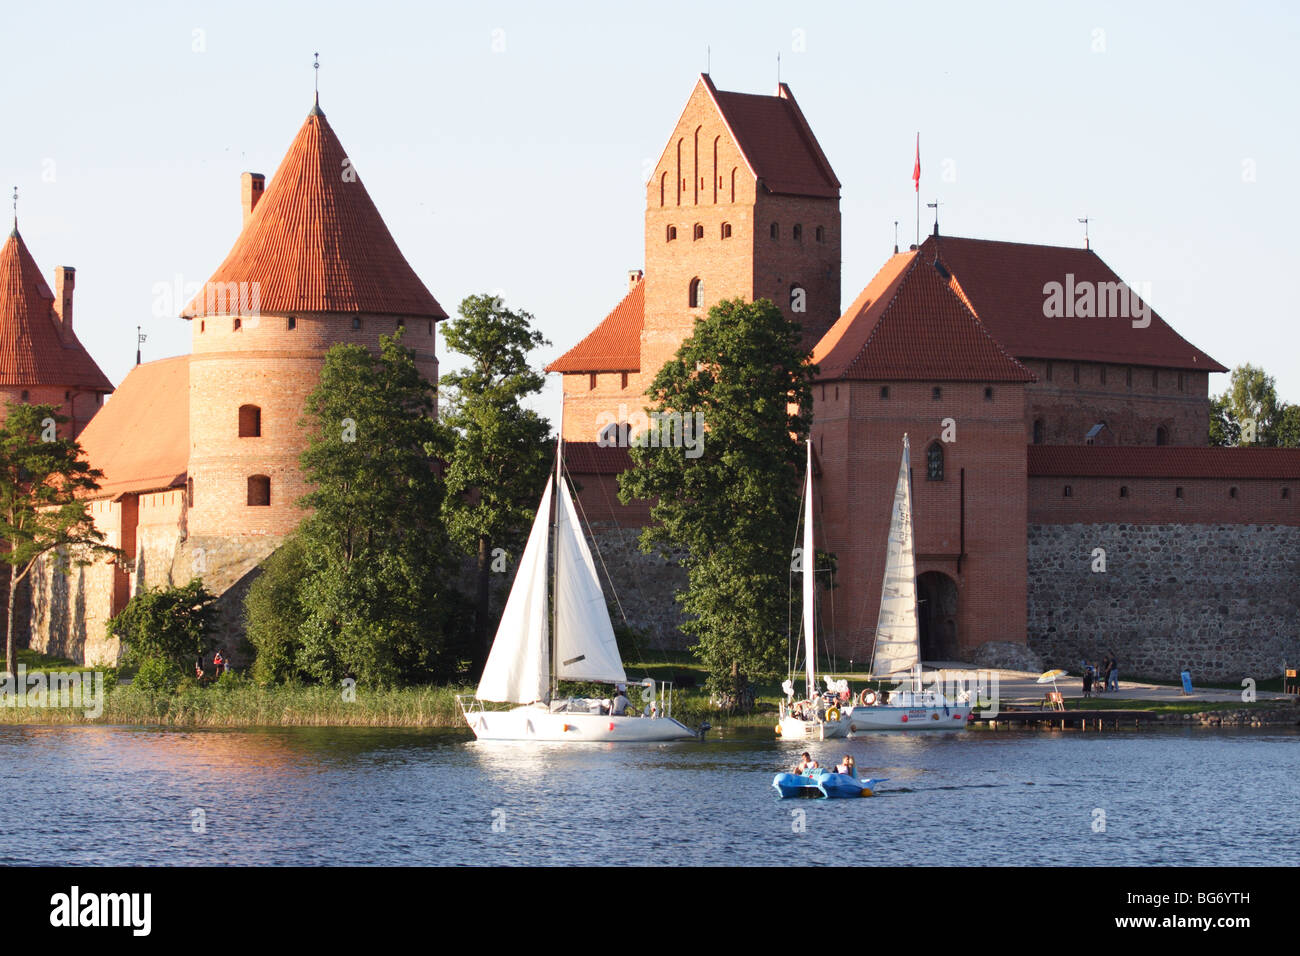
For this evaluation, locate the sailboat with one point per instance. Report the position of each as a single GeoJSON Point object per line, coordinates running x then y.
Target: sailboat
{"type": "Point", "coordinates": [813, 718]}
{"type": "Point", "coordinates": [897, 652]}
{"type": "Point", "coordinates": [568, 637]}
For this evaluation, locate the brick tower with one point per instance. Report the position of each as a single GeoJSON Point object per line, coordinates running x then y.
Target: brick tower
{"type": "Point", "coordinates": [314, 265]}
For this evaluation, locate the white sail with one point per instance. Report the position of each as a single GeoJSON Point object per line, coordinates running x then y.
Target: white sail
{"type": "Point", "coordinates": [585, 648]}
{"type": "Point", "coordinates": [518, 669]}
{"type": "Point", "coordinates": [898, 645]}
{"type": "Point", "coordinates": [809, 569]}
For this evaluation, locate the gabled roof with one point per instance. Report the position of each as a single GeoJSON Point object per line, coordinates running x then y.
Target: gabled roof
{"type": "Point", "coordinates": [140, 439]}
{"type": "Point", "coordinates": [33, 350]}
{"type": "Point", "coordinates": [1005, 283]}
{"type": "Point", "coordinates": [316, 242]}
{"type": "Point", "coordinates": [776, 141]}
{"type": "Point", "coordinates": [913, 323]}
{"type": "Point", "coordinates": [615, 344]}
{"type": "Point", "coordinates": [1162, 461]}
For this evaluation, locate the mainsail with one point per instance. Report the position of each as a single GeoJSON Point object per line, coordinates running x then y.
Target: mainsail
{"type": "Point", "coordinates": [898, 645]}
{"type": "Point", "coordinates": [809, 569]}
{"type": "Point", "coordinates": [518, 669]}
{"type": "Point", "coordinates": [585, 648]}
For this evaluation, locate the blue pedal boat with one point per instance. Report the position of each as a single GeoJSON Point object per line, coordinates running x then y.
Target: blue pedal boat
{"type": "Point", "coordinates": [824, 784]}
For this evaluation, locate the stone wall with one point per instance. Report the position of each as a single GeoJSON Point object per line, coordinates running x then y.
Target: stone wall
{"type": "Point", "coordinates": [646, 585]}
{"type": "Point", "coordinates": [1218, 599]}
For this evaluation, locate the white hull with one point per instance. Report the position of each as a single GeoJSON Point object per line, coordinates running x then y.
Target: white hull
{"type": "Point", "coordinates": [884, 717]}
{"type": "Point", "coordinates": [538, 723]}
{"type": "Point", "coordinates": [792, 728]}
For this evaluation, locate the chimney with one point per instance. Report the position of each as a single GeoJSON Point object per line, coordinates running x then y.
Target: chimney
{"type": "Point", "coordinates": [633, 277]}
{"type": "Point", "coordinates": [65, 280]}
{"type": "Point", "coordinates": [250, 192]}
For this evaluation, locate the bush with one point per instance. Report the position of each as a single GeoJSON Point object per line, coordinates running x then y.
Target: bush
{"type": "Point", "coordinates": [165, 630]}
{"type": "Point", "coordinates": [159, 676]}
{"type": "Point", "coordinates": [274, 615]}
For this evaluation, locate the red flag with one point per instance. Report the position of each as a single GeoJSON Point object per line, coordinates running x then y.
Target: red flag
{"type": "Point", "coordinates": [916, 170]}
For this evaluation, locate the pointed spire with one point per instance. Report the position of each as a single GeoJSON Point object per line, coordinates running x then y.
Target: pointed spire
{"type": "Point", "coordinates": [315, 109]}
{"type": "Point", "coordinates": [14, 231]}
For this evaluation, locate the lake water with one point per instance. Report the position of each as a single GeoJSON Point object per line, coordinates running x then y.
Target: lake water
{"type": "Point", "coordinates": [321, 796]}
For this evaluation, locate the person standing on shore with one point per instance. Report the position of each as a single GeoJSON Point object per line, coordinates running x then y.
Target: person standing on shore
{"type": "Point", "coordinates": [1087, 679]}
{"type": "Point", "coordinates": [1101, 675]}
{"type": "Point", "coordinates": [1113, 682]}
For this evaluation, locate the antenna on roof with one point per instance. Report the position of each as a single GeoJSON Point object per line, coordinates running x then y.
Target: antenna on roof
{"type": "Point", "coordinates": [708, 60]}
{"type": "Point", "coordinates": [315, 68]}
{"type": "Point", "coordinates": [895, 237]}
{"type": "Point", "coordinates": [15, 229]}
{"type": "Point", "coordinates": [1084, 220]}
{"type": "Point", "coordinates": [935, 206]}
{"type": "Point", "coordinates": [778, 69]}
{"type": "Point", "coordinates": [139, 340]}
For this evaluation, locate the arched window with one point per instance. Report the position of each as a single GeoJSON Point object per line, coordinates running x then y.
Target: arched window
{"type": "Point", "coordinates": [1067, 492]}
{"type": "Point", "coordinates": [672, 233]}
{"type": "Point", "coordinates": [797, 232]}
{"type": "Point", "coordinates": [250, 421]}
{"type": "Point", "coordinates": [696, 297]}
{"type": "Point", "coordinates": [988, 393]}
{"type": "Point", "coordinates": [934, 462]}
{"type": "Point", "coordinates": [1038, 431]}
{"type": "Point", "coordinates": [733, 183]}
{"type": "Point", "coordinates": [1232, 492]}
{"type": "Point", "coordinates": [821, 233]}
{"type": "Point", "coordinates": [1162, 435]}
{"type": "Point", "coordinates": [189, 492]}
{"type": "Point", "coordinates": [774, 231]}
{"type": "Point", "coordinates": [356, 321]}
{"type": "Point", "coordinates": [726, 230]}
{"type": "Point", "coordinates": [1123, 491]}
{"type": "Point", "coordinates": [291, 323]}
{"type": "Point", "coordinates": [698, 231]}
{"type": "Point", "coordinates": [259, 491]}
{"type": "Point", "coordinates": [663, 186]}
{"type": "Point", "coordinates": [237, 324]}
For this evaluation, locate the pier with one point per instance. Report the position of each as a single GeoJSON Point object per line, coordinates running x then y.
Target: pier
{"type": "Point", "coordinates": [1083, 719]}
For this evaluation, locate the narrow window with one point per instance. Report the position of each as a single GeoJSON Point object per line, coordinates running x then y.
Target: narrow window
{"type": "Point", "coordinates": [1123, 491]}
{"type": "Point", "coordinates": [1076, 373]}
{"type": "Point", "coordinates": [988, 393]}
{"type": "Point", "coordinates": [934, 462]}
{"type": "Point", "coordinates": [401, 323]}
{"type": "Point", "coordinates": [699, 231]}
{"type": "Point", "coordinates": [672, 233]}
{"type": "Point", "coordinates": [1155, 378]}
{"type": "Point", "coordinates": [259, 491]}
{"type": "Point", "coordinates": [591, 382]}
{"type": "Point", "coordinates": [189, 492]}
{"type": "Point", "coordinates": [695, 299]}
{"type": "Point", "coordinates": [1232, 492]}
{"type": "Point", "coordinates": [797, 232]}
{"type": "Point", "coordinates": [1128, 376]}
{"type": "Point", "coordinates": [1180, 381]}
{"type": "Point", "coordinates": [884, 391]}
{"type": "Point", "coordinates": [1038, 431]}
{"type": "Point", "coordinates": [663, 185]}
{"type": "Point", "coordinates": [1049, 371]}
{"type": "Point", "coordinates": [25, 393]}
{"type": "Point", "coordinates": [821, 233]}
{"type": "Point", "coordinates": [1162, 435]}
{"type": "Point", "coordinates": [1178, 492]}
{"type": "Point", "coordinates": [1286, 493]}
{"type": "Point", "coordinates": [1103, 375]}
{"type": "Point", "coordinates": [238, 324]}
{"type": "Point", "coordinates": [936, 393]}
{"type": "Point", "coordinates": [733, 183]}
{"type": "Point", "coordinates": [431, 326]}
{"type": "Point", "coordinates": [250, 421]}
{"type": "Point", "coordinates": [203, 325]}
{"type": "Point", "coordinates": [1067, 492]}
{"type": "Point", "coordinates": [356, 321]}
{"type": "Point", "coordinates": [774, 231]}
{"type": "Point", "coordinates": [623, 383]}
{"type": "Point", "coordinates": [726, 230]}
{"type": "Point", "coordinates": [292, 323]}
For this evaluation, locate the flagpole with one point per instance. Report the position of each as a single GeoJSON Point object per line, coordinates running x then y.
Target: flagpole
{"type": "Point", "coordinates": [916, 179]}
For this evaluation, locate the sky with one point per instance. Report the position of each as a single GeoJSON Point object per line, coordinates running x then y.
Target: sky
{"type": "Point", "coordinates": [507, 144]}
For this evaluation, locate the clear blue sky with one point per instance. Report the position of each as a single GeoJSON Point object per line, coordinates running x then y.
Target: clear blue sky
{"type": "Point", "coordinates": [521, 170]}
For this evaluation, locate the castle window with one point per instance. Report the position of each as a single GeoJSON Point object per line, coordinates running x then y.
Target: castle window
{"type": "Point", "coordinates": [1232, 492]}
{"type": "Point", "coordinates": [1178, 492]}
{"type": "Point", "coordinates": [624, 381]}
{"type": "Point", "coordinates": [663, 185]}
{"type": "Point", "coordinates": [238, 324]}
{"type": "Point", "coordinates": [1076, 373]}
{"type": "Point", "coordinates": [1286, 493]}
{"type": "Point", "coordinates": [797, 232]}
{"type": "Point", "coordinates": [292, 323]}
{"type": "Point", "coordinates": [259, 491]}
{"type": "Point", "coordinates": [821, 233]}
{"type": "Point", "coordinates": [1123, 491]}
{"type": "Point", "coordinates": [1103, 374]}
{"type": "Point", "coordinates": [1038, 431]}
{"type": "Point", "coordinates": [726, 230]}
{"type": "Point", "coordinates": [1049, 371]}
{"type": "Point", "coordinates": [774, 231]}
{"type": "Point", "coordinates": [1067, 492]}
{"type": "Point", "coordinates": [203, 325]}
{"type": "Point", "coordinates": [934, 462]}
{"type": "Point", "coordinates": [988, 393]}
{"type": "Point", "coordinates": [672, 233]}
{"type": "Point", "coordinates": [1155, 378]}
{"type": "Point", "coordinates": [401, 323]}
{"type": "Point", "coordinates": [1128, 376]}
{"type": "Point", "coordinates": [189, 492]}
{"type": "Point", "coordinates": [250, 421]}
{"type": "Point", "coordinates": [591, 382]}
{"type": "Point", "coordinates": [699, 231]}
{"type": "Point", "coordinates": [25, 394]}
{"type": "Point", "coordinates": [356, 321]}
{"type": "Point", "coordinates": [1162, 435]}
{"type": "Point", "coordinates": [696, 297]}
{"type": "Point", "coordinates": [431, 326]}
{"type": "Point", "coordinates": [733, 183]}
{"type": "Point", "coordinates": [936, 393]}
{"type": "Point", "coordinates": [884, 391]}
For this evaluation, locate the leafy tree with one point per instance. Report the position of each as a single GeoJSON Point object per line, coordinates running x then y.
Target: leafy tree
{"type": "Point", "coordinates": [274, 614]}
{"type": "Point", "coordinates": [499, 456]}
{"type": "Point", "coordinates": [1287, 433]}
{"type": "Point", "coordinates": [1224, 430]}
{"type": "Point", "coordinates": [378, 568]}
{"type": "Point", "coordinates": [165, 630]}
{"type": "Point", "coordinates": [734, 505]}
{"type": "Point", "coordinates": [1250, 407]}
{"type": "Point", "coordinates": [43, 484]}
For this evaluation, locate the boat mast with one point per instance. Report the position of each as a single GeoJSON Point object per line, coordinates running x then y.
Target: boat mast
{"type": "Point", "coordinates": [555, 557]}
{"type": "Point", "coordinates": [809, 568]}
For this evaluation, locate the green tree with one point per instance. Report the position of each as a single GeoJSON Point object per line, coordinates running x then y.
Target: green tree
{"type": "Point", "coordinates": [165, 630]}
{"type": "Point", "coordinates": [378, 568]}
{"type": "Point", "coordinates": [274, 614]}
{"type": "Point", "coordinates": [1287, 433]}
{"type": "Point", "coordinates": [44, 482]}
{"type": "Point", "coordinates": [499, 455]}
{"type": "Point", "coordinates": [1250, 412]}
{"type": "Point", "coordinates": [732, 503]}
{"type": "Point", "coordinates": [1224, 430]}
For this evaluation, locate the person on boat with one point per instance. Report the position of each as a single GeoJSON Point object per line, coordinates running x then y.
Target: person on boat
{"type": "Point", "coordinates": [805, 765]}
{"type": "Point", "coordinates": [621, 703]}
{"type": "Point", "coordinates": [847, 766]}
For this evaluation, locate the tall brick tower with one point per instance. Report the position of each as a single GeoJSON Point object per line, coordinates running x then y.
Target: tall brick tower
{"type": "Point", "coordinates": [314, 265]}
{"type": "Point", "coordinates": [742, 203]}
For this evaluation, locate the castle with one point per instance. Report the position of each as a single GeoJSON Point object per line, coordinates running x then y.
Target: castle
{"type": "Point", "coordinates": [1066, 503]}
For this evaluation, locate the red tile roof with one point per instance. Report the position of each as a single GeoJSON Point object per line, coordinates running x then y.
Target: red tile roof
{"type": "Point", "coordinates": [141, 437]}
{"type": "Point", "coordinates": [615, 344]}
{"type": "Point", "coordinates": [316, 242]}
{"type": "Point", "coordinates": [32, 346]}
{"type": "Point", "coordinates": [1167, 461]}
{"type": "Point", "coordinates": [777, 141]}
{"type": "Point", "coordinates": [588, 458]}
{"type": "Point", "coordinates": [1005, 281]}
{"type": "Point", "coordinates": [912, 324]}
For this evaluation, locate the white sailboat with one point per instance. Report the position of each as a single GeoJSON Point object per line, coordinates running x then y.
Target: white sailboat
{"type": "Point", "coordinates": [897, 653]}
{"type": "Point", "coordinates": [527, 660]}
{"type": "Point", "coordinates": [815, 720]}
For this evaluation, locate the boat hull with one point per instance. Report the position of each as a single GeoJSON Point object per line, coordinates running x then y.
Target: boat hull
{"type": "Point", "coordinates": [823, 784]}
{"type": "Point", "coordinates": [538, 723]}
{"type": "Point", "coordinates": [792, 728]}
{"type": "Point", "coordinates": [884, 717]}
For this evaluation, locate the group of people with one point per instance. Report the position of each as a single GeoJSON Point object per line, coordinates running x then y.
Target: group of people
{"type": "Point", "coordinates": [220, 664]}
{"type": "Point", "coordinates": [1101, 677]}
{"type": "Point", "coordinates": [807, 765]}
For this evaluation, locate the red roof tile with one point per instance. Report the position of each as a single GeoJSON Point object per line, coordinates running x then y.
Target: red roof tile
{"type": "Point", "coordinates": [1167, 461]}
{"type": "Point", "coordinates": [615, 344]}
{"type": "Point", "coordinates": [32, 346]}
{"type": "Point", "coordinates": [316, 242]}
{"type": "Point", "coordinates": [140, 438]}
{"type": "Point", "coordinates": [1005, 281]}
{"type": "Point", "coordinates": [777, 141]}
{"type": "Point", "coordinates": [911, 324]}
{"type": "Point", "coordinates": [589, 458]}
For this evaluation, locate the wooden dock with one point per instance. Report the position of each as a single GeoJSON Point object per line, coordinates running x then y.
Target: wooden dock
{"type": "Point", "coordinates": [1083, 719]}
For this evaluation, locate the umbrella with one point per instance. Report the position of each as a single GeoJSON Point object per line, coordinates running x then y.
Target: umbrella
{"type": "Point", "coordinates": [1050, 677]}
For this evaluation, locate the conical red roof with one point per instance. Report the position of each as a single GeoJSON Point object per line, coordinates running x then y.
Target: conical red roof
{"type": "Point", "coordinates": [316, 242]}
{"type": "Point", "coordinates": [32, 349]}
